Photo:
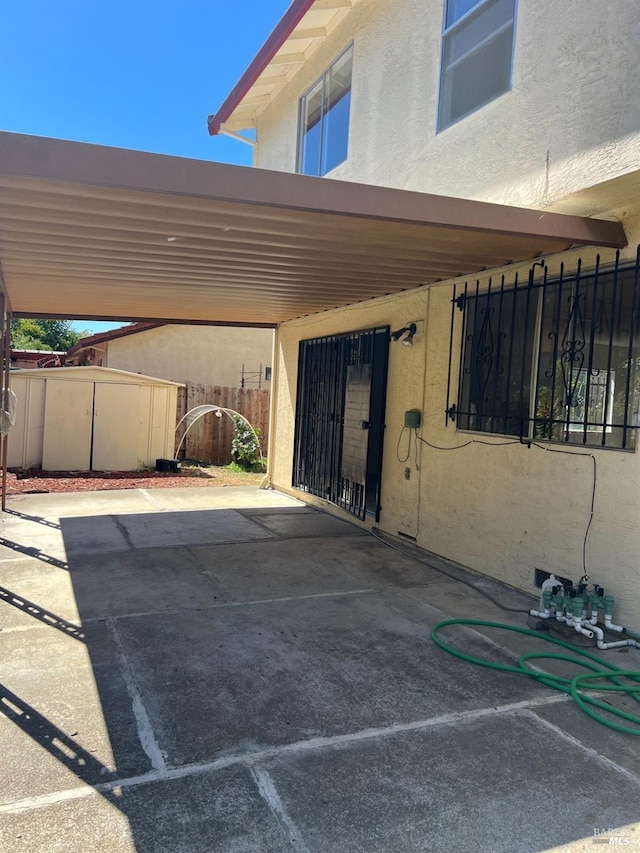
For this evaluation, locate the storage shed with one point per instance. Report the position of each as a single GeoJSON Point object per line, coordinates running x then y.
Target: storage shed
{"type": "Point", "coordinates": [91, 419]}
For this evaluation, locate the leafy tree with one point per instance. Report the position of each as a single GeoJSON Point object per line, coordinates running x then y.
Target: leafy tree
{"type": "Point", "coordinates": [43, 334]}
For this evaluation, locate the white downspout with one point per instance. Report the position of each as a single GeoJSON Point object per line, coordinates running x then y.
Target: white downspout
{"type": "Point", "coordinates": [240, 138]}
{"type": "Point", "coordinates": [273, 409]}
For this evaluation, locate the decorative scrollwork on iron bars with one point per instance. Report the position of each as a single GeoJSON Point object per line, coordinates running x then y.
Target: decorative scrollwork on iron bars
{"type": "Point", "coordinates": [573, 349]}
{"type": "Point", "coordinates": [483, 351]}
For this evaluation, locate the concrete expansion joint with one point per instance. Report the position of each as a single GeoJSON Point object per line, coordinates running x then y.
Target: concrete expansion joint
{"type": "Point", "coordinates": [143, 723]}
{"type": "Point", "coordinates": [227, 604]}
{"type": "Point", "coordinates": [123, 530]}
{"type": "Point", "coordinates": [145, 493]}
{"type": "Point", "coordinates": [252, 760]}
{"type": "Point", "coordinates": [268, 792]}
{"type": "Point", "coordinates": [574, 741]}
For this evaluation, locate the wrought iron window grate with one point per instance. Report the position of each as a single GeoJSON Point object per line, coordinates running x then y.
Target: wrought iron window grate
{"type": "Point", "coordinates": [555, 359]}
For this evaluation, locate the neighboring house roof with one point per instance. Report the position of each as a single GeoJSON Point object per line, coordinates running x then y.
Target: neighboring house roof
{"type": "Point", "coordinates": [36, 352]}
{"type": "Point", "coordinates": [296, 37]}
{"type": "Point", "coordinates": [104, 337]}
{"type": "Point", "coordinates": [157, 238]}
{"type": "Point", "coordinates": [47, 357]}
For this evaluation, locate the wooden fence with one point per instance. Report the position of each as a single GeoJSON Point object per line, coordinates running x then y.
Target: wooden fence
{"type": "Point", "coordinates": [209, 439]}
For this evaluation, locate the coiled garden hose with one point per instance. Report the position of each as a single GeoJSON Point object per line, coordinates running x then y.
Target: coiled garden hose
{"type": "Point", "coordinates": [624, 681]}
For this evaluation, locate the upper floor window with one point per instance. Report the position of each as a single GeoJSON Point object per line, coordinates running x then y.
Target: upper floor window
{"type": "Point", "coordinates": [324, 119]}
{"type": "Point", "coordinates": [477, 53]}
{"type": "Point", "coordinates": [556, 360]}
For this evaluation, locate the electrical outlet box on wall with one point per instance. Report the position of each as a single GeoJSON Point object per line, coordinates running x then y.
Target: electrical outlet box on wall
{"type": "Point", "coordinates": [412, 419]}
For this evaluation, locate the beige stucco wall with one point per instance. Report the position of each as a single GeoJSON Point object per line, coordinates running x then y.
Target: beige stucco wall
{"type": "Point", "coordinates": [571, 120]}
{"type": "Point", "coordinates": [504, 509]}
{"type": "Point", "coordinates": [205, 355]}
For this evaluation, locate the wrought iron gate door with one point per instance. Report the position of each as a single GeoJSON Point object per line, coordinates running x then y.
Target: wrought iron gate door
{"type": "Point", "coordinates": [340, 419]}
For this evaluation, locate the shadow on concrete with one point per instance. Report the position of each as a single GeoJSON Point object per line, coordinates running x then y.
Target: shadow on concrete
{"type": "Point", "coordinates": [32, 551]}
{"type": "Point", "coordinates": [157, 811]}
{"type": "Point", "coordinates": [51, 738]}
{"type": "Point", "coordinates": [37, 518]}
{"type": "Point", "coordinates": [31, 609]}
{"type": "Point", "coordinates": [241, 679]}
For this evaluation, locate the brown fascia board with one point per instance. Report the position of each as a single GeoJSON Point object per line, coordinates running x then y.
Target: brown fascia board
{"type": "Point", "coordinates": [40, 158]}
{"type": "Point", "coordinates": [104, 337]}
{"type": "Point", "coordinates": [283, 29]}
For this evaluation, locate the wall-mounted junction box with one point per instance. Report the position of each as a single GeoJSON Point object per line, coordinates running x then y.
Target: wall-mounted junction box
{"type": "Point", "coordinates": [412, 419]}
{"type": "Point", "coordinates": [540, 576]}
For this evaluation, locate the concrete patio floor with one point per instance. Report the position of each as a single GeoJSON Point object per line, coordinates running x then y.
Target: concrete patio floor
{"type": "Point", "coordinates": [197, 670]}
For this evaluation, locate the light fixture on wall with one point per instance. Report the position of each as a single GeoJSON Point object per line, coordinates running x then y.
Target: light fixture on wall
{"type": "Point", "coordinates": [405, 335]}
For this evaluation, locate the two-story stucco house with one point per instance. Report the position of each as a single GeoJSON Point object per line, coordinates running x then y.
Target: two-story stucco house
{"type": "Point", "coordinates": [493, 420]}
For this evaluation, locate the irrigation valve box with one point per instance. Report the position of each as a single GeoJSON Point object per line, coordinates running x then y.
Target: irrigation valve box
{"type": "Point", "coordinates": [412, 419]}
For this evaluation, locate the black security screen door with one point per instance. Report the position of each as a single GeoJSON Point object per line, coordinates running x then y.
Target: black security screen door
{"type": "Point", "coordinates": [342, 382]}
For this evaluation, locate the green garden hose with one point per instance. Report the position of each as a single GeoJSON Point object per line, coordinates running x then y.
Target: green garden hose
{"type": "Point", "coordinates": [624, 681]}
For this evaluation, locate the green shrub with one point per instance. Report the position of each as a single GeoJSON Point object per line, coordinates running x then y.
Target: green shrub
{"type": "Point", "coordinates": [245, 446]}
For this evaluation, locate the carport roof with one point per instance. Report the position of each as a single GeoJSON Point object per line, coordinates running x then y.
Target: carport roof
{"type": "Point", "coordinates": [106, 233]}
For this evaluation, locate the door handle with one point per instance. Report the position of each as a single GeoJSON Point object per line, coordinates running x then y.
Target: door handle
{"type": "Point", "coordinates": [365, 424]}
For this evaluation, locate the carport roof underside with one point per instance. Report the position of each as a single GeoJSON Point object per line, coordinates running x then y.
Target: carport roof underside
{"type": "Point", "coordinates": [107, 233]}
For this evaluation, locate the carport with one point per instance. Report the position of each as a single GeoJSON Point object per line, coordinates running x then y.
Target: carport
{"type": "Point", "coordinates": [88, 232]}
{"type": "Point", "coordinates": [240, 672]}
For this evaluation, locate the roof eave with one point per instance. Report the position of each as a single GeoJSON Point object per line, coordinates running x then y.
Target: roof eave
{"type": "Point", "coordinates": [283, 29]}
{"type": "Point", "coordinates": [113, 334]}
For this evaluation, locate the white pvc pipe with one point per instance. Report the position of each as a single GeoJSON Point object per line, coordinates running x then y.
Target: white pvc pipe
{"type": "Point", "coordinates": [599, 633]}
{"type": "Point", "coordinates": [237, 136]}
{"type": "Point", "coordinates": [586, 632]}
{"type": "Point", "coordinates": [541, 614]}
{"type": "Point", "coordinates": [588, 628]}
{"type": "Point", "coordinates": [206, 408]}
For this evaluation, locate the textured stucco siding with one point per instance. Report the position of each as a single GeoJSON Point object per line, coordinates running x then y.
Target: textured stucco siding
{"type": "Point", "coordinates": [503, 509]}
{"type": "Point", "coordinates": [205, 355]}
{"type": "Point", "coordinates": [571, 120]}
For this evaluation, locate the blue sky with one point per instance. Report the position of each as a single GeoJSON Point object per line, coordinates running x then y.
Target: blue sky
{"type": "Point", "coordinates": [129, 73]}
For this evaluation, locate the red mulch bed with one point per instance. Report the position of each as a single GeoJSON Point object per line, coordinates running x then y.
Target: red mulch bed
{"type": "Point", "coordinates": [36, 481]}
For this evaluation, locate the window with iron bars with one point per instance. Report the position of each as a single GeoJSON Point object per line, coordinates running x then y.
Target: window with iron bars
{"type": "Point", "coordinates": [552, 359]}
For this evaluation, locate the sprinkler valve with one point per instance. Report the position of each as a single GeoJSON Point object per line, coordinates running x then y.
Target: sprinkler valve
{"type": "Point", "coordinates": [576, 607]}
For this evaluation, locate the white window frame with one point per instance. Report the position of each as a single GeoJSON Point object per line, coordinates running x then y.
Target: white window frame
{"type": "Point", "coordinates": [301, 111]}
{"type": "Point", "coordinates": [448, 31]}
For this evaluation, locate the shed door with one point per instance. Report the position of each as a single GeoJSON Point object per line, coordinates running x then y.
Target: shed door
{"type": "Point", "coordinates": [116, 428]}
{"type": "Point", "coordinates": [68, 417]}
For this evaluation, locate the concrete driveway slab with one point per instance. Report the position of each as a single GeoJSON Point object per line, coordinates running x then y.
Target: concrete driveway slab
{"type": "Point", "coordinates": [92, 535]}
{"type": "Point", "coordinates": [145, 581]}
{"type": "Point", "coordinates": [275, 692]}
{"type": "Point", "coordinates": [32, 590]}
{"type": "Point", "coordinates": [174, 529]}
{"type": "Point", "coordinates": [53, 506]}
{"type": "Point", "coordinates": [483, 785]}
{"type": "Point", "coordinates": [309, 524]}
{"type": "Point", "coordinates": [246, 678]}
{"type": "Point", "coordinates": [217, 812]}
{"type": "Point", "coordinates": [65, 715]}
{"type": "Point", "coordinates": [623, 749]}
{"type": "Point", "coordinates": [277, 568]}
{"type": "Point", "coordinates": [281, 568]}
{"type": "Point", "coordinates": [228, 497]}
{"type": "Point", "coordinates": [28, 539]}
